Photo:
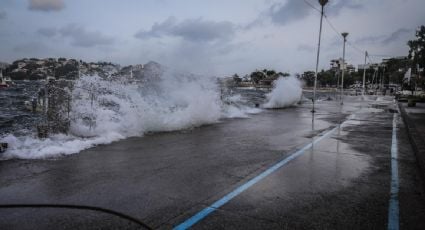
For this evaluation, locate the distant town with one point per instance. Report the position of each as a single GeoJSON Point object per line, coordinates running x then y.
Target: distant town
{"type": "Point", "coordinates": [68, 69]}
{"type": "Point", "coordinates": [389, 71]}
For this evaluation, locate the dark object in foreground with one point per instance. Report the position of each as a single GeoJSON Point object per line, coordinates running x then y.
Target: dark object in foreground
{"type": "Point", "coordinates": [3, 147]}
{"type": "Point", "coordinates": [411, 102]}
{"type": "Point", "coordinates": [78, 207]}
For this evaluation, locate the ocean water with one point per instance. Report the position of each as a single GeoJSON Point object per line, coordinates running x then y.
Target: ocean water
{"type": "Point", "coordinates": [103, 111]}
{"type": "Point", "coordinates": [14, 118]}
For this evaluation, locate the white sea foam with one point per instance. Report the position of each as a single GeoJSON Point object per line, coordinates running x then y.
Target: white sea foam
{"type": "Point", "coordinates": [286, 92]}
{"type": "Point", "coordinates": [235, 107]}
{"type": "Point", "coordinates": [118, 111]}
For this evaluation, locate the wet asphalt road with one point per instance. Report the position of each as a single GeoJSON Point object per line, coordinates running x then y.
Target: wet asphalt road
{"type": "Point", "coordinates": [342, 182]}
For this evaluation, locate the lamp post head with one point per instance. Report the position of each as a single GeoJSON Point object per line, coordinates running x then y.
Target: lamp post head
{"type": "Point", "coordinates": [345, 34]}
{"type": "Point", "coordinates": [323, 2]}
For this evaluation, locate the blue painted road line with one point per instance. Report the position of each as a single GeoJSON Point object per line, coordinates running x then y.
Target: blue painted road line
{"type": "Point", "coordinates": [208, 210]}
{"type": "Point", "coordinates": [393, 209]}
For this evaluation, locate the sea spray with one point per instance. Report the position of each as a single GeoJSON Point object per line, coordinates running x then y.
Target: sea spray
{"type": "Point", "coordinates": [286, 92]}
{"type": "Point", "coordinates": [104, 111]}
{"type": "Point", "coordinates": [235, 106]}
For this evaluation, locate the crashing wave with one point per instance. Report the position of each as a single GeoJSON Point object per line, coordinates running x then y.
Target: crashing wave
{"type": "Point", "coordinates": [287, 91]}
{"type": "Point", "coordinates": [105, 110]}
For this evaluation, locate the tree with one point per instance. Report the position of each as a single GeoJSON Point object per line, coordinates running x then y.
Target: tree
{"type": "Point", "coordinates": [67, 71]}
{"type": "Point", "coordinates": [270, 73]}
{"type": "Point", "coordinates": [396, 68]}
{"type": "Point", "coordinates": [308, 78]}
{"type": "Point", "coordinates": [236, 78]}
{"type": "Point", "coordinates": [280, 74]}
{"type": "Point", "coordinates": [256, 76]}
{"type": "Point", "coordinates": [417, 48]}
{"type": "Point", "coordinates": [326, 78]}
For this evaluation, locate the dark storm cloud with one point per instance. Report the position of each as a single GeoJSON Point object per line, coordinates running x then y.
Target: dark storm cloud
{"type": "Point", "coordinates": [81, 37]}
{"type": "Point", "coordinates": [194, 30]}
{"type": "Point", "coordinates": [48, 32]}
{"type": "Point", "coordinates": [46, 5]}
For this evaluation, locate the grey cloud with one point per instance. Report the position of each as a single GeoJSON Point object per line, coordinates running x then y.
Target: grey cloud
{"type": "Point", "coordinates": [46, 5]}
{"type": "Point", "coordinates": [48, 32]}
{"type": "Point", "coordinates": [225, 49]}
{"type": "Point", "coordinates": [384, 39]}
{"type": "Point", "coordinates": [83, 38]}
{"type": "Point", "coordinates": [335, 7]}
{"type": "Point", "coordinates": [294, 10]}
{"type": "Point", "coordinates": [194, 30]}
{"type": "Point", "coordinates": [370, 39]}
{"type": "Point", "coordinates": [306, 48]}
{"type": "Point", "coordinates": [198, 30]}
{"type": "Point", "coordinates": [3, 15]}
{"type": "Point", "coordinates": [291, 11]}
{"type": "Point", "coordinates": [33, 47]}
{"type": "Point", "coordinates": [396, 35]}
{"type": "Point", "coordinates": [211, 40]}
{"type": "Point", "coordinates": [158, 29]}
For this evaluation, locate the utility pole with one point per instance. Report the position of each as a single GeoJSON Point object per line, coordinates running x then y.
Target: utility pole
{"type": "Point", "coordinates": [344, 35]}
{"type": "Point", "coordinates": [364, 73]}
{"type": "Point", "coordinates": [322, 4]}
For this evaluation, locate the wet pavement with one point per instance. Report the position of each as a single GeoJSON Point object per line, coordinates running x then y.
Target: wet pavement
{"type": "Point", "coordinates": [163, 179]}
{"type": "Point", "coordinates": [417, 114]}
{"type": "Point", "coordinates": [414, 118]}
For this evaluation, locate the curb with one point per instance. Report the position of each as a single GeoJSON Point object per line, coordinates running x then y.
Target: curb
{"type": "Point", "coordinates": [415, 139]}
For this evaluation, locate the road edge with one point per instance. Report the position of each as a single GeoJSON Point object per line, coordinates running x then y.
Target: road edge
{"type": "Point", "coordinates": [416, 140]}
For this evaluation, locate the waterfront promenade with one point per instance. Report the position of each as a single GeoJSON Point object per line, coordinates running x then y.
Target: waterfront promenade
{"type": "Point", "coordinates": [280, 169]}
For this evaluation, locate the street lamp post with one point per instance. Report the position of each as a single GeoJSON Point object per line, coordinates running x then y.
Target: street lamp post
{"type": "Point", "coordinates": [322, 4]}
{"type": "Point", "coordinates": [344, 35]}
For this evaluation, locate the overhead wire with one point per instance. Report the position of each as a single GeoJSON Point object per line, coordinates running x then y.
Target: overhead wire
{"type": "Point", "coordinates": [331, 25]}
{"type": "Point", "coordinates": [312, 6]}
{"type": "Point", "coordinates": [360, 51]}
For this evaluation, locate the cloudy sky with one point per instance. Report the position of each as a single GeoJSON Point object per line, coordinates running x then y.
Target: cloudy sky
{"type": "Point", "coordinates": [216, 37]}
